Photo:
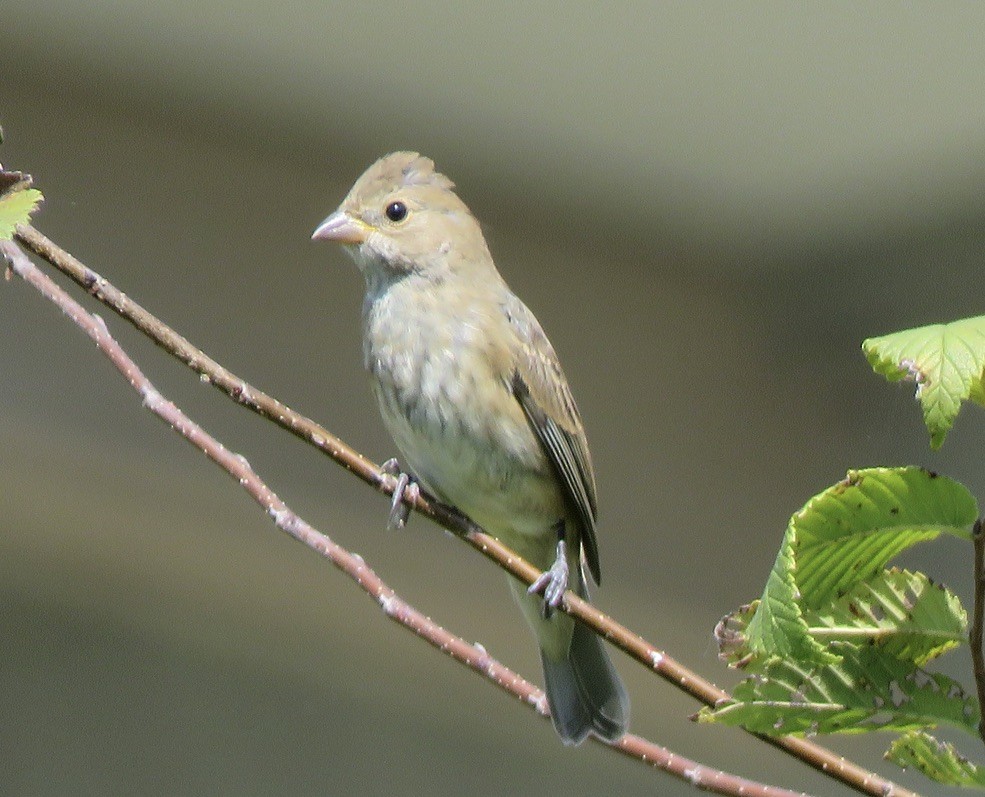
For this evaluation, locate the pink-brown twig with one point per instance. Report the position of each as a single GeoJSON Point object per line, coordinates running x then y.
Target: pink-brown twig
{"type": "Point", "coordinates": [353, 565]}
{"type": "Point", "coordinates": [849, 773]}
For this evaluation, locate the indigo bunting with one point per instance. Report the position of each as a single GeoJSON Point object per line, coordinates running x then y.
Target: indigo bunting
{"type": "Point", "coordinates": [474, 397]}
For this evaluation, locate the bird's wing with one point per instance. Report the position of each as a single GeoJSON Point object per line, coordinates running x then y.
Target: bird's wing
{"type": "Point", "coordinates": [539, 385]}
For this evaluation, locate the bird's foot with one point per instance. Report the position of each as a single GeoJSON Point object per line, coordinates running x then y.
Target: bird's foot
{"type": "Point", "coordinates": [405, 493]}
{"type": "Point", "coordinates": [553, 582]}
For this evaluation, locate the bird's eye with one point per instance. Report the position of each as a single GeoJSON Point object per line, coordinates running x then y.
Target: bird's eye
{"type": "Point", "coordinates": [396, 211]}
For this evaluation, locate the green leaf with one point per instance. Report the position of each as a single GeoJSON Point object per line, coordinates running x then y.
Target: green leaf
{"type": "Point", "coordinates": [947, 361]}
{"type": "Point", "coordinates": [778, 627]}
{"type": "Point", "coordinates": [850, 531]}
{"type": "Point", "coordinates": [842, 538]}
{"type": "Point", "coordinates": [866, 690]}
{"type": "Point", "coordinates": [17, 202]}
{"type": "Point", "coordinates": [939, 761]}
{"type": "Point", "coordinates": [904, 613]}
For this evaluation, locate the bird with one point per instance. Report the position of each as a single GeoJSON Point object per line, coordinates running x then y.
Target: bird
{"type": "Point", "coordinates": [473, 395]}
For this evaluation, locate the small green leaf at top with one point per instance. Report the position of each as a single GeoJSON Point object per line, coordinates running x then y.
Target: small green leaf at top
{"type": "Point", "coordinates": [946, 361]}
{"type": "Point", "coordinates": [17, 202]}
{"type": "Point", "coordinates": [938, 760]}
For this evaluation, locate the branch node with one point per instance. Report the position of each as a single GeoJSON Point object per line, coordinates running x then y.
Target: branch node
{"type": "Point", "coordinates": [101, 323]}
{"type": "Point", "coordinates": [151, 398]}
{"type": "Point", "coordinates": [280, 515]}
{"type": "Point", "coordinates": [91, 281]}
{"type": "Point", "coordinates": [390, 603]}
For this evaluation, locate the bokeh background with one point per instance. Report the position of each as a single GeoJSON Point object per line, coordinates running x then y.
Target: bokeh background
{"type": "Point", "coordinates": [707, 205]}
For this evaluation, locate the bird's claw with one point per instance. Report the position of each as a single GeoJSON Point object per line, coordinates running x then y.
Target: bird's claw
{"type": "Point", "coordinates": [405, 493]}
{"type": "Point", "coordinates": [553, 582]}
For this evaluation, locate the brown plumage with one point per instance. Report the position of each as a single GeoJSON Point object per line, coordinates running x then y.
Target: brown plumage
{"type": "Point", "coordinates": [474, 396]}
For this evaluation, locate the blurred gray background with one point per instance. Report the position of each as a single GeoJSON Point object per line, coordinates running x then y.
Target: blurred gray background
{"type": "Point", "coordinates": [708, 206]}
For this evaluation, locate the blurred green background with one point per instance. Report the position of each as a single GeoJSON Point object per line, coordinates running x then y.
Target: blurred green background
{"type": "Point", "coordinates": [707, 205]}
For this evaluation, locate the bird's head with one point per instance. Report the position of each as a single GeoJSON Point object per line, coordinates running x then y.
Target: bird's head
{"type": "Point", "coordinates": [402, 217]}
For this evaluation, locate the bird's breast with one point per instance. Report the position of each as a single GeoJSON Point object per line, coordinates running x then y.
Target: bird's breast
{"type": "Point", "coordinates": [442, 381]}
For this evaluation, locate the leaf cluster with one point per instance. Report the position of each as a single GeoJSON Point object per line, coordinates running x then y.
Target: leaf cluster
{"type": "Point", "coordinates": [841, 642]}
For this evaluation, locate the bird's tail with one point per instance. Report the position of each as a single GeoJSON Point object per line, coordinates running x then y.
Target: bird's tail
{"type": "Point", "coordinates": [584, 691]}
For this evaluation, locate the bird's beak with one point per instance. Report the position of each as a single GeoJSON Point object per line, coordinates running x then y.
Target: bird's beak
{"type": "Point", "coordinates": [342, 228]}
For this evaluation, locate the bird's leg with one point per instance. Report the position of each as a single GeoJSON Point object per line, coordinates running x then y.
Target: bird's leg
{"type": "Point", "coordinates": [553, 582]}
{"type": "Point", "coordinates": [405, 492]}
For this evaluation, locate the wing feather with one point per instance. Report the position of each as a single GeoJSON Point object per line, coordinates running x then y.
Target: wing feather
{"type": "Point", "coordinates": [542, 391]}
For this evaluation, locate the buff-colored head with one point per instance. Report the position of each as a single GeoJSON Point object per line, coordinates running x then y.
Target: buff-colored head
{"type": "Point", "coordinates": [403, 216]}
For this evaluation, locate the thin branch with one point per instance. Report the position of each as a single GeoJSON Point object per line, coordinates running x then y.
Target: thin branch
{"type": "Point", "coordinates": [353, 565]}
{"type": "Point", "coordinates": [978, 619]}
{"type": "Point", "coordinates": [674, 672]}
